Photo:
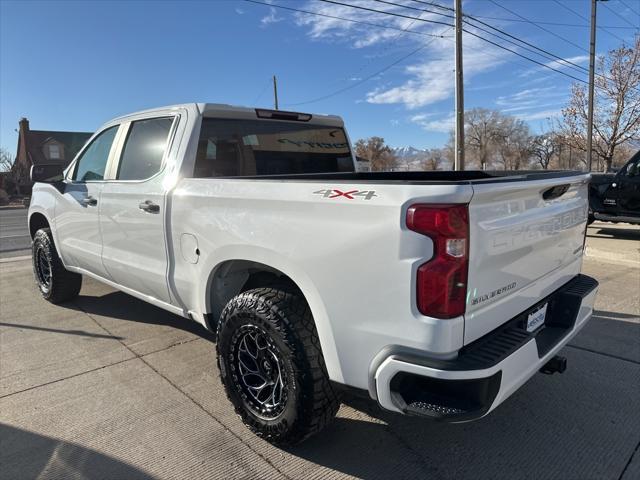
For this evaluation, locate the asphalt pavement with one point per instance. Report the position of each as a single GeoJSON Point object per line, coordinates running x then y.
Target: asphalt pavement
{"type": "Point", "coordinates": [14, 232]}
{"type": "Point", "coordinates": [110, 387]}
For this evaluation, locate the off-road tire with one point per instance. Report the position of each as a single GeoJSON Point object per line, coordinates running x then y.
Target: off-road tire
{"type": "Point", "coordinates": [283, 316]}
{"type": "Point", "coordinates": [63, 285]}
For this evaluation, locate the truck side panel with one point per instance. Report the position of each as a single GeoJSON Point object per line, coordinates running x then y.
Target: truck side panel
{"type": "Point", "coordinates": [322, 242]}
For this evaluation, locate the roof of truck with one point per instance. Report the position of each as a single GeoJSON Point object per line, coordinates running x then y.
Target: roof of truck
{"type": "Point", "coordinates": [224, 110]}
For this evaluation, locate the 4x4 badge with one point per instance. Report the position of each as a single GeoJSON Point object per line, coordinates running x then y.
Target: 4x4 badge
{"type": "Point", "coordinates": [350, 194]}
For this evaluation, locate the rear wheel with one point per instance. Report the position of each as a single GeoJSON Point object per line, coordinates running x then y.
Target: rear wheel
{"type": "Point", "coordinates": [272, 367]}
{"type": "Point", "coordinates": [56, 283]}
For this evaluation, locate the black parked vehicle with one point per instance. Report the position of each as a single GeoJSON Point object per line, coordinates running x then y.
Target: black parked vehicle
{"type": "Point", "coordinates": [615, 197]}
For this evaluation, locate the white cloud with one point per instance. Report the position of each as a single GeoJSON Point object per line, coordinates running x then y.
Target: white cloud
{"type": "Point", "coordinates": [430, 78]}
{"type": "Point", "coordinates": [239, 11]}
{"type": "Point", "coordinates": [433, 80]}
{"type": "Point", "coordinates": [443, 124]}
{"type": "Point", "coordinates": [559, 65]}
{"type": "Point", "coordinates": [271, 17]}
{"type": "Point", "coordinates": [360, 35]}
{"type": "Point", "coordinates": [527, 104]}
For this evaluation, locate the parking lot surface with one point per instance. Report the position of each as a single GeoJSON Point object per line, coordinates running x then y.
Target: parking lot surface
{"type": "Point", "coordinates": [14, 233]}
{"type": "Point", "coordinates": [110, 387]}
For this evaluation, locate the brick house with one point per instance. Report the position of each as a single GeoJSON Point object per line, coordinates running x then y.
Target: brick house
{"type": "Point", "coordinates": [44, 147]}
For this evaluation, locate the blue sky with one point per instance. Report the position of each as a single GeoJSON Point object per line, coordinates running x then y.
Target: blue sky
{"type": "Point", "coordinates": [74, 65]}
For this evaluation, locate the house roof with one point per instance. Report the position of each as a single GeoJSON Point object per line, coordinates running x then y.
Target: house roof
{"type": "Point", "coordinates": [72, 141]}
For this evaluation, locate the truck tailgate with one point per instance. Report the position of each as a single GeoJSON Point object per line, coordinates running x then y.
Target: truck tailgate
{"type": "Point", "coordinates": [526, 240]}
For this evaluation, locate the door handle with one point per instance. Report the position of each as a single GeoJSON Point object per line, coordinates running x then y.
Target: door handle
{"type": "Point", "coordinates": [149, 207]}
{"type": "Point", "coordinates": [90, 201]}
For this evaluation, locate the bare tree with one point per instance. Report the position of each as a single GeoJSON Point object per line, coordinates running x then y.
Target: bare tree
{"type": "Point", "coordinates": [543, 148]}
{"type": "Point", "coordinates": [6, 160]}
{"type": "Point", "coordinates": [616, 118]}
{"type": "Point", "coordinates": [434, 159]}
{"type": "Point", "coordinates": [512, 141]}
{"type": "Point", "coordinates": [377, 152]}
{"type": "Point", "coordinates": [12, 171]}
{"type": "Point", "coordinates": [481, 132]}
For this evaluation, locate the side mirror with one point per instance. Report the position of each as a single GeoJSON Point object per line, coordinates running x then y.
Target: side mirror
{"type": "Point", "coordinates": [632, 171]}
{"type": "Point", "coordinates": [47, 173]}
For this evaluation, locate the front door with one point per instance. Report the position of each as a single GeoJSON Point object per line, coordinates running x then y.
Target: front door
{"type": "Point", "coordinates": [132, 215]}
{"type": "Point", "coordinates": [629, 188]}
{"type": "Point", "coordinates": [77, 211]}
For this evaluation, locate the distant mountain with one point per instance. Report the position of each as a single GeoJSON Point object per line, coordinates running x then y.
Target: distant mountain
{"type": "Point", "coordinates": [415, 159]}
{"type": "Point", "coordinates": [408, 152]}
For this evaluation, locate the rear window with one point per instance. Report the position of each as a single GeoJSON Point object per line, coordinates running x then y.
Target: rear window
{"type": "Point", "coordinates": [239, 148]}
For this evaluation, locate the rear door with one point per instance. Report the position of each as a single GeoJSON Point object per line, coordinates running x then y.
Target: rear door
{"type": "Point", "coordinates": [132, 217]}
{"type": "Point", "coordinates": [77, 209]}
{"type": "Point", "coordinates": [526, 240]}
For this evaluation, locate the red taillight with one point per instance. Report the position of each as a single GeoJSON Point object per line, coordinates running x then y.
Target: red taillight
{"type": "Point", "coordinates": [442, 281]}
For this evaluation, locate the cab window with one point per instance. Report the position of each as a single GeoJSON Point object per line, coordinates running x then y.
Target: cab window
{"type": "Point", "coordinates": [93, 161]}
{"type": "Point", "coordinates": [144, 148]}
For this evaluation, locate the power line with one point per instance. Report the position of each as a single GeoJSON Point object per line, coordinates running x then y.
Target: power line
{"type": "Point", "coordinates": [525, 57]}
{"type": "Point", "coordinates": [387, 46]}
{"type": "Point", "coordinates": [261, 92]}
{"type": "Point", "coordinates": [378, 72]}
{"type": "Point", "coordinates": [369, 77]}
{"type": "Point", "coordinates": [553, 24]}
{"type": "Point", "coordinates": [540, 27]}
{"type": "Point", "coordinates": [636, 12]}
{"type": "Point", "coordinates": [620, 16]}
{"type": "Point", "coordinates": [466, 31]}
{"type": "Point", "coordinates": [546, 53]}
{"type": "Point", "coordinates": [585, 18]}
{"type": "Point", "coordinates": [535, 50]}
{"type": "Point", "coordinates": [413, 52]}
{"type": "Point", "coordinates": [360, 7]}
{"type": "Point", "coordinates": [536, 22]}
{"type": "Point", "coordinates": [436, 5]}
{"type": "Point", "coordinates": [308, 12]}
{"type": "Point", "coordinates": [418, 9]}
{"type": "Point", "coordinates": [558, 59]}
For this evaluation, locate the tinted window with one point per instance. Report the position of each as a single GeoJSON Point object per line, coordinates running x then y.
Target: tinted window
{"type": "Point", "coordinates": [232, 148]}
{"type": "Point", "coordinates": [93, 161]}
{"type": "Point", "coordinates": [633, 169]}
{"type": "Point", "coordinates": [144, 149]}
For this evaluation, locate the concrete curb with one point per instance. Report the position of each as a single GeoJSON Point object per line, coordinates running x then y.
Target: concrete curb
{"type": "Point", "coordinates": [15, 259]}
{"type": "Point", "coordinates": [626, 258]}
{"type": "Point", "coordinates": [12, 207]}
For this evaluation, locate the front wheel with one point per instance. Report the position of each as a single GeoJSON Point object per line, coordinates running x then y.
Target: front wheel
{"type": "Point", "coordinates": [55, 283]}
{"type": "Point", "coordinates": [272, 367]}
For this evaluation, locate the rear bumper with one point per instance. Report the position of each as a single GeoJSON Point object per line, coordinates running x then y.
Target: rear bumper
{"type": "Point", "coordinates": [489, 370]}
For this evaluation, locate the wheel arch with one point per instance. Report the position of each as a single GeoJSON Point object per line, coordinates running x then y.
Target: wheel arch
{"type": "Point", "coordinates": [37, 220]}
{"type": "Point", "coordinates": [232, 276]}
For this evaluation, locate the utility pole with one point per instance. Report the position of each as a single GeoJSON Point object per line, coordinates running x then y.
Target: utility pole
{"type": "Point", "coordinates": [592, 67]}
{"type": "Point", "coordinates": [458, 163]}
{"type": "Point", "coordinates": [275, 91]}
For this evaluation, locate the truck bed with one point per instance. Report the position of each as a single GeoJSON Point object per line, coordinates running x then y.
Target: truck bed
{"type": "Point", "coordinates": [431, 177]}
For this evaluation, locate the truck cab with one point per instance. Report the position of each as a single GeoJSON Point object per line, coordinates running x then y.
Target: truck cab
{"type": "Point", "coordinates": [616, 197]}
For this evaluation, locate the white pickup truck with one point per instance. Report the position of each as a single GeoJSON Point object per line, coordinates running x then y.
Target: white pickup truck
{"type": "Point", "coordinates": [434, 293]}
